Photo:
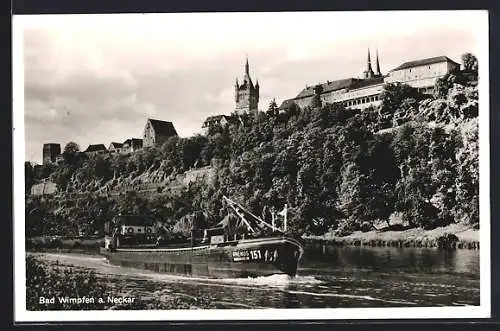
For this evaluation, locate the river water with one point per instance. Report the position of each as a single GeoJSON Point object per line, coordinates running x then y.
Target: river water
{"type": "Point", "coordinates": [328, 277]}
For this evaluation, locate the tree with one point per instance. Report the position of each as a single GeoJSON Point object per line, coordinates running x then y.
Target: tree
{"type": "Point", "coordinates": [394, 94]}
{"type": "Point", "coordinates": [71, 153]}
{"type": "Point", "coordinates": [29, 176]}
{"type": "Point", "coordinates": [71, 148]}
{"type": "Point", "coordinates": [316, 101]}
{"type": "Point", "coordinates": [442, 87]}
{"type": "Point", "coordinates": [272, 110]}
{"type": "Point", "coordinates": [351, 196]}
{"type": "Point", "coordinates": [469, 62]}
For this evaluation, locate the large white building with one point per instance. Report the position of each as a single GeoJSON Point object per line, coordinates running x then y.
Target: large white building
{"type": "Point", "coordinates": [422, 74]}
{"type": "Point", "coordinates": [364, 92]}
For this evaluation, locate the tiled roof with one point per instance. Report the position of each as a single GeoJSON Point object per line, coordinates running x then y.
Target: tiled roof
{"type": "Point", "coordinates": [287, 104]}
{"type": "Point", "coordinates": [431, 60]}
{"type": "Point", "coordinates": [116, 145]}
{"type": "Point", "coordinates": [348, 83]}
{"type": "Point", "coordinates": [327, 87]}
{"type": "Point", "coordinates": [95, 148]}
{"type": "Point", "coordinates": [215, 118]}
{"type": "Point", "coordinates": [163, 128]}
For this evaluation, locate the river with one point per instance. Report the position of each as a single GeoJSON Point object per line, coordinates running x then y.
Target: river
{"type": "Point", "coordinates": [328, 277]}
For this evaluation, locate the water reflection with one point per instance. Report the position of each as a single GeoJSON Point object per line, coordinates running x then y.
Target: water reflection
{"type": "Point", "coordinates": [412, 260]}
{"type": "Point", "coordinates": [290, 299]}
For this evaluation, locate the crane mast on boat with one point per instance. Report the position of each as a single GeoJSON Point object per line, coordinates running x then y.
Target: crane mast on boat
{"type": "Point", "coordinates": [243, 213]}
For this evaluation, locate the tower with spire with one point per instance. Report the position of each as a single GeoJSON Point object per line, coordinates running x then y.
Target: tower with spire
{"type": "Point", "coordinates": [377, 67]}
{"type": "Point", "coordinates": [246, 94]}
{"type": "Point", "coordinates": [368, 73]}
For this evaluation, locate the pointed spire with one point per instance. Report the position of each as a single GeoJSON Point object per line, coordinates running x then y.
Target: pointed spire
{"type": "Point", "coordinates": [247, 68]}
{"type": "Point", "coordinates": [257, 82]}
{"type": "Point", "coordinates": [377, 66]}
{"type": "Point", "coordinates": [369, 62]}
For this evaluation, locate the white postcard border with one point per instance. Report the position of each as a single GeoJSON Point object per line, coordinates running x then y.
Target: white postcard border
{"type": "Point", "coordinates": [22, 315]}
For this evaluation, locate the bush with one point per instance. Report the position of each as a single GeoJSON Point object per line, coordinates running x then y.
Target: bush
{"type": "Point", "coordinates": [366, 226]}
{"type": "Point", "coordinates": [344, 229]}
{"type": "Point", "coordinates": [45, 281]}
{"type": "Point", "coordinates": [447, 240]}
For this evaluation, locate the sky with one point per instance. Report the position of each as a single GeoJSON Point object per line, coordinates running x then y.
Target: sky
{"type": "Point", "coordinates": [97, 78]}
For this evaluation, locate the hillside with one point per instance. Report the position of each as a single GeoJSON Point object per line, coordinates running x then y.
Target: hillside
{"type": "Point", "coordinates": [414, 159]}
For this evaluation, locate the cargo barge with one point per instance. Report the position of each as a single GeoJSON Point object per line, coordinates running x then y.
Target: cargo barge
{"type": "Point", "coordinates": [219, 253]}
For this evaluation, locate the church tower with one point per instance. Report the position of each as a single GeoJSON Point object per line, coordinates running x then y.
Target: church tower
{"type": "Point", "coordinates": [246, 94]}
{"type": "Point", "coordinates": [377, 67]}
{"type": "Point", "coordinates": [368, 73]}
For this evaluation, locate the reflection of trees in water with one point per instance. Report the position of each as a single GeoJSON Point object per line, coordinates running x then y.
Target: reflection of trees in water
{"type": "Point", "coordinates": [449, 259]}
{"type": "Point", "coordinates": [290, 300]}
{"type": "Point", "coordinates": [402, 259]}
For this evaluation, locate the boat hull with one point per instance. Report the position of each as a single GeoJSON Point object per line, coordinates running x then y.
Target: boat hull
{"type": "Point", "coordinates": [243, 258]}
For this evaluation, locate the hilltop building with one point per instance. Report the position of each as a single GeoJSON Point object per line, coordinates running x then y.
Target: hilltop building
{"type": "Point", "coordinates": [247, 94]}
{"type": "Point", "coordinates": [115, 148]}
{"type": "Point", "coordinates": [50, 152]}
{"type": "Point", "coordinates": [364, 92]}
{"type": "Point", "coordinates": [97, 149]}
{"type": "Point", "coordinates": [215, 121]}
{"type": "Point", "coordinates": [131, 145]}
{"type": "Point", "coordinates": [156, 132]}
{"type": "Point", "coordinates": [424, 73]}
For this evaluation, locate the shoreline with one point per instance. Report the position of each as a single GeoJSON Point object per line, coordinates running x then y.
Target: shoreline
{"type": "Point", "coordinates": [465, 237]}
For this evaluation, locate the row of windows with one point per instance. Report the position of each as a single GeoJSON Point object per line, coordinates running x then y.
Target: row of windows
{"type": "Point", "coordinates": [422, 68]}
{"type": "Point", "coordinates": [361, 101]}
{"type": "Point", "coordinates": [113, 151]}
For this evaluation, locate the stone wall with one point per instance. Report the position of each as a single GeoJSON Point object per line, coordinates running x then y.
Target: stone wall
{"type": "Point", "coordinates": [205, 174]}
{"type": "Point", "coordinates": [46, 187]}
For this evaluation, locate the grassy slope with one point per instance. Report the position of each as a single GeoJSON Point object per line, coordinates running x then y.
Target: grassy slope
{"type": "Point", "coordinates": [466, 235]}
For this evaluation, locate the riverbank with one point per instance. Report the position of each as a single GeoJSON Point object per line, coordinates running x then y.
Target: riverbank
{"type": "Point", "coordinates": [55, 286]}
{"type": "Point", "coordinates": [452, 236]}
{"type": "Point", "coordinates": [64, 244]}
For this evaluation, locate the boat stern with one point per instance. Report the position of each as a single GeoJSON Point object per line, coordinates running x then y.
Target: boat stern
{"type": "Point", "coordinates": [282, 253]}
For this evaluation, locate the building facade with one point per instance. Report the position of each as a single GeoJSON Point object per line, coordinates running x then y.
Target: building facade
{"type": "Point", "coordinates": [115, 148]}
{"type": "Point", "coordinates": [50, 152]}
{"type": "Point", "coordinates": [215, 121]}
{"type": "Point", "coordinates": [131, 145]}
{"type": "Point", "coordinates": [247, 94]}
{"type": "Point", "coordinates": [97, 149]}
{"type": "Point", "coordinates": [156, 132]}
{"type": "Point", "coordinates": [364, 92]}
{"type": "Point", "coordinates": [422, 74]}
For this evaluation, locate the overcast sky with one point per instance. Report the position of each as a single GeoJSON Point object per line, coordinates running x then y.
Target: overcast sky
{"type": "Point", "coordinates": [96, 78]}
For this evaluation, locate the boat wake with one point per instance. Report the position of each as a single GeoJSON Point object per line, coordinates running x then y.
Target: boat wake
{"type": "Point", "coordinates": [273, 280]}
{"type": "Point", "coordinates": [101, 265]}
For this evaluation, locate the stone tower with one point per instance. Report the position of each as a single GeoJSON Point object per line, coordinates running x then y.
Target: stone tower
{"type": "Point", "coordinates": [50, 152]}
{"type": "Point", "coordinates": [246, 94]}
